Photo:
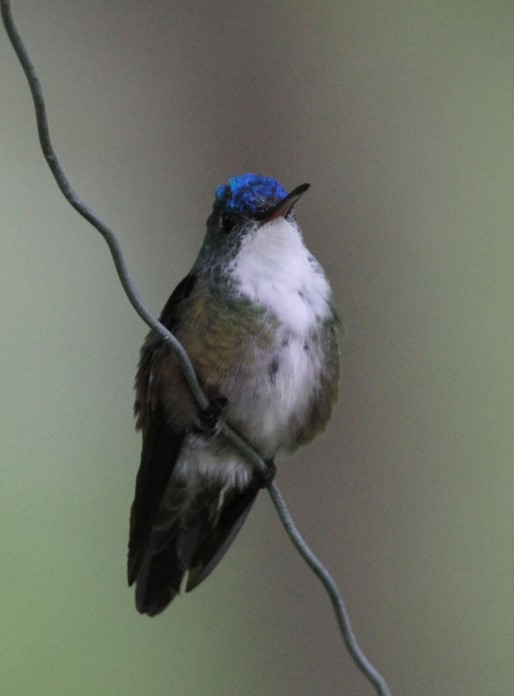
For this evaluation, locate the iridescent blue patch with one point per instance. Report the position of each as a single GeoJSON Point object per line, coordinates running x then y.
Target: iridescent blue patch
{"type": "Point", "coordinates": [250, 194]}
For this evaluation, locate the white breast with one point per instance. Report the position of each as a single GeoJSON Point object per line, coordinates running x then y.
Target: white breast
{"type": "Point", "coordinates": [275, 269]}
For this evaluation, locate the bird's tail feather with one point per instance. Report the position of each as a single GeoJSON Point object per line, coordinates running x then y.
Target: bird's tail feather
{"type": "Point", "coordinates": [191, 533]}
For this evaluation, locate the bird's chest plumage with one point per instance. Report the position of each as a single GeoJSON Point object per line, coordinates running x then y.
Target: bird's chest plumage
{"type": "Point", "coordinates": [272, 405]}
{"type": "Point", "coordinates": [266, 343]}
{"type": "Point", "coordinates": [285, 361]}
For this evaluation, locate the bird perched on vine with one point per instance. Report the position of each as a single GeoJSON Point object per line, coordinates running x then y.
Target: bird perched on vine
{"type": "Point", "coordinates": [256, 316]}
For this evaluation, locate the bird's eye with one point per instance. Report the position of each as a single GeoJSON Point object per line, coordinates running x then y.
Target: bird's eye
{"type": "Point", "coordinates": [227, 222]}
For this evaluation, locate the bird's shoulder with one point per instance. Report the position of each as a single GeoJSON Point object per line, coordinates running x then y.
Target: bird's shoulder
{"type": "Point", "coordinates": [171, 313]}
{"type": "Point", "coordinates": [153, 351]}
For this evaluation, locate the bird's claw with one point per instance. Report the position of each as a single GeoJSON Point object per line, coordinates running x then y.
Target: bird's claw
{"type": "Point", "coordinates": [211, 418]}
{"type": "Point", "coordinates": [268, 475]}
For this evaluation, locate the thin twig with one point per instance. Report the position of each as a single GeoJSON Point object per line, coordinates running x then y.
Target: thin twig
{"type": "Point", "coordinates": [119, 261]}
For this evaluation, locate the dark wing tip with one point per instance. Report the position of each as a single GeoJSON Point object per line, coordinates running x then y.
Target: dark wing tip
{"type": "Point", "coordinates": [196, 542]}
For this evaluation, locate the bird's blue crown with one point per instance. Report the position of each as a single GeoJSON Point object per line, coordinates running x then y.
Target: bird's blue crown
{"type": "Point", "coordinates": [249, 195]}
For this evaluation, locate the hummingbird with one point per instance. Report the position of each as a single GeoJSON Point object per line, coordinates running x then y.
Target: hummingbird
{"type": "Point", "coordinates": [256, 316]}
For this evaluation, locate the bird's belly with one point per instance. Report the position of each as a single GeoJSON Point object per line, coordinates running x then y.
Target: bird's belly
{"type": "Point", "coordinates": [271, 408]}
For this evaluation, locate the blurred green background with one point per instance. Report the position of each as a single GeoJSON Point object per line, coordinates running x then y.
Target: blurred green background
{"type": "Point", "coordinates": [400, 115]}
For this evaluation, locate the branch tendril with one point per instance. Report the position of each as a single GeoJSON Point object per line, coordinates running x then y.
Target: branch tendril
{"type": "Point", "coordinates": [355, 651]}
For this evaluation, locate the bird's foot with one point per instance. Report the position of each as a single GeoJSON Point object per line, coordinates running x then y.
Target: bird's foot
{"type": "Point", "coordinates": [211, 418]}
{"type": "Point", "coordinates": [268, 475]}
